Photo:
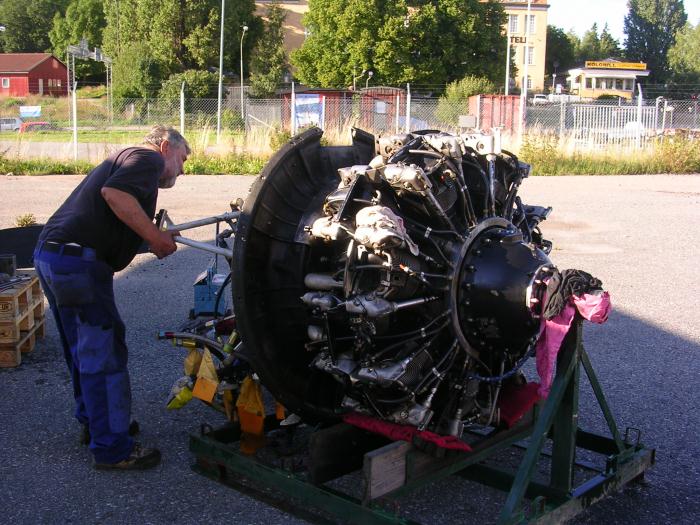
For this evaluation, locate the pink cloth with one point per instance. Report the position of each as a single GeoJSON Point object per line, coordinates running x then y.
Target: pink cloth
{"type": "Point", "coordinates": [397, 432]}
{"type": "Point", "coordinates": [594, 308]}
{"type": "Point", "coordinates": [516, 400]}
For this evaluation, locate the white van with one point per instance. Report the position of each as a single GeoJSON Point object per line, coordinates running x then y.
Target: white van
{"type": "Point", "coordinates": [10, 123]}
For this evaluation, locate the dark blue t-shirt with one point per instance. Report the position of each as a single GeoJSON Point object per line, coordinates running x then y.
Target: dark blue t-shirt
{"type": "Point", "coordinates": [86, 219]}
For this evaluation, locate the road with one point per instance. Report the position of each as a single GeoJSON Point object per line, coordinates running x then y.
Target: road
{"type": "Point", "coordinates": [638, 234]}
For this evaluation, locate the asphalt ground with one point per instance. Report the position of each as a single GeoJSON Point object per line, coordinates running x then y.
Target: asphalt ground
{"type": "Point", "coordinates": [638, 234]}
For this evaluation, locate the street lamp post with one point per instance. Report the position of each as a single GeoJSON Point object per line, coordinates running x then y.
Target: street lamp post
{"type": "Point", "coordinates": [221, 73]}
{"type": "Point", "coordinates": [507, 87]}
{"type": "Point", "coordinates": [369, 76]}
{"type": "Point", "coordinates": [245, 28]}
{"type": "Point", "coordinates": [523, 85]}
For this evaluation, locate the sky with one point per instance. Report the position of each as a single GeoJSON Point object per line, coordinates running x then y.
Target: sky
{"type": "Point", "coordinates": [581, 14]}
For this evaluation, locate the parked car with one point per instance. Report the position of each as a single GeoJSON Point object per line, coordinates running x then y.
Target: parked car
{"type": "Point", "coordinates": [10, 123]}
{"type": "Point", "coordinates": [36, 126]}
{"type": "Point", "coordinates": [540, 98]}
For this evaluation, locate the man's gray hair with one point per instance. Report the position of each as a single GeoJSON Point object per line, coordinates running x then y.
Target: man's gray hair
{"type": "Point", "coordinates": [159, 133]}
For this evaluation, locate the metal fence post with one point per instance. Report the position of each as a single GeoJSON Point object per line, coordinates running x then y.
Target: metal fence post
{"type": "Point", "coordinates": [408, 108]}
{"type": "Point", "coordinates": [663, 117]}
{"type": "Point", "coordinates": [293, 114]}
{"type": "Point", "coordinates": [398, 109]}
{"type": "Point", "coordinates": [639, 117]}
{"type": "Point", "coordinates": [75, 121]}
{"type": "Point", "coordinates": [478, 112]}
{"type": "Point", "coordinates": [562, 119]}
{"type": "Point", "coordinates": [182, 110]}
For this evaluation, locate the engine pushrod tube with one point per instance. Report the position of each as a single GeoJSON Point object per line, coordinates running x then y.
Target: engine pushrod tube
{"type": "Point", "coordinates": [205, 221]}
{"type": "Point", "coordinates": [203, 246]}
{"type": "Point", "coordinates": [413, 302]}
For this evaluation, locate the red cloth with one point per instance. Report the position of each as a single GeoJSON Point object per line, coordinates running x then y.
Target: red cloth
{"type": "Point", "coordinates": [594, 308]}
{"type": "Point", "coordinates": [397, 432]}
{"type": "Point", "coordinates": [516, 400]}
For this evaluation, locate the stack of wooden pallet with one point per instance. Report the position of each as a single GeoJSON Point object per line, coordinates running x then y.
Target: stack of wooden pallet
{"type": "Point", "coordinates": [21, 319]}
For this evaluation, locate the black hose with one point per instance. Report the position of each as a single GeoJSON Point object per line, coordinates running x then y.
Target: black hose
{"type": "Point", "coordinates": [214, 347]}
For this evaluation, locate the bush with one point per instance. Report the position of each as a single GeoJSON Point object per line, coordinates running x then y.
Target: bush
{"type": "Point", "coordinates": [455, 101]}
{"type": "Point", "coordinates": [25, 220]}
{"type": "Point", "coordinates": [232, 120]}
{"type": "Point", "coordinates": [198, 84]}
{"type": "Point", "coordinates": [278, 138]}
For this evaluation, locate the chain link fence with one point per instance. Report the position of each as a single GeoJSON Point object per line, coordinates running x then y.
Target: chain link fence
{"type": "Point", "coordinates": [380, 110]}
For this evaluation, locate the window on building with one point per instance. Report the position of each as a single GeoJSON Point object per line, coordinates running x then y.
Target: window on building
{"type": "Point", "coordinates": [58, 83]}
{"type": "Point", "coordinates": [589, 83]}
{"type": "Point", "coordinates": [628, 84]}
{"type": "Point", "coordinates": [529, 82]}
{"type": "Point", "coordinates": [6, 82]}
{"type": "Point", "coordinates": [531, 25]}
{"type": "Point", "coordinates": [618, 83]}
{"type": "Point", "coordinates": [529, 56]}
{"type": "Point", "coordinates": [513, 23]}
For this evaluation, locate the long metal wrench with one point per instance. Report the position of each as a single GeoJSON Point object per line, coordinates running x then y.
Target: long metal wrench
{"type": "Point", "coordinates": [167, 225]}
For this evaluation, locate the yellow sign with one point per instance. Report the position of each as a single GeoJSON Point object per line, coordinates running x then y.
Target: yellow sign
{"type": "Point", "coordinates": [641, 66]}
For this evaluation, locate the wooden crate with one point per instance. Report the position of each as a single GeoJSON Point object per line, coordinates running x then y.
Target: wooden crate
{"type": "Point", "coordinates": [11, 353]}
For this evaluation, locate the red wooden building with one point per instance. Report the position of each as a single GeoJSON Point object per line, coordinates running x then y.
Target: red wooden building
{"type": "Point", "coordinates": [23, 74]}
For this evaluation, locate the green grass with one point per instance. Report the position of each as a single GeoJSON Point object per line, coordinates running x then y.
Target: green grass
{"type": "Point", "coordinates": [670, 155]}
{"type": "Point", "coordinates": [110, 137]}
{"type": "Point", "coordinates": [198, 164]}
{"type": "Point", "coordinates": [231, 164]}
{"type": "Point", "coordinates": [43, 167]}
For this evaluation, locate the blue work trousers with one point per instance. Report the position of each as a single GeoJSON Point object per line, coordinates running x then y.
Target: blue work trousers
{"type": "Point", "coordinates": [79, 289]}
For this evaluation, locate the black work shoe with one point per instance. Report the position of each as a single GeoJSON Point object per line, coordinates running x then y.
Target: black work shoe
{"type": "Point", "coordinates": [141, 458]}
{"type": "Point", "coordinates": [85, 432]}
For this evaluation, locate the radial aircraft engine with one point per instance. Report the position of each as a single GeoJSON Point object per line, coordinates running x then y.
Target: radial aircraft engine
{"type": "Point", "coordinates": [401, 277]}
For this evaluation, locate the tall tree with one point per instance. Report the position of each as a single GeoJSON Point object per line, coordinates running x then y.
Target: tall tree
{"type": "Point", "coordinates": [589, 49]}
{"type": "Point", "coordinates": [179, 34]}
{"type": "Point", "coordinates": [684, 56]}
{"type": "Point", "coordinates": [561, 53]}
{"type": "Point", "coordinates": [269, 59]}
{"type": "Point", "coordinates": [27, 24]}
{"type": "Point", "coordinates": [83, 19]}
{"type": "Point", "coordinates": [396, 40]}
{"type": "Point", "coordinates": [136, 73]}
{"type": "Point", "coordinates": [650, 28]}
{"type": "Point", "coordinates": [608, 47]}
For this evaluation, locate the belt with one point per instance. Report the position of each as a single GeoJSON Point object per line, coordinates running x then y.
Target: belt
{"type": "Point", "coordinates": [73, 250]}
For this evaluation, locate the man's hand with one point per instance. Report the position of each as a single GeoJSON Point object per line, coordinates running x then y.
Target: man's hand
{"type": "Point", "coordinates": [163, 244]}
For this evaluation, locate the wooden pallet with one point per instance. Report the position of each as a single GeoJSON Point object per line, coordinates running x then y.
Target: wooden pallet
{"type": "Point", "coordinates": [16, 299]}
{"type": "Point", "coordinates": [11, 353]}
{"type": "Point", "coordinates": [20, 307]}
{"type": "Point", "coordinates": [21, 319]}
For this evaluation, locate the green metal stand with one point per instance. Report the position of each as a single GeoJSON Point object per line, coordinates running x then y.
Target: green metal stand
{"type": "Point", "coordinates": [397, 468]}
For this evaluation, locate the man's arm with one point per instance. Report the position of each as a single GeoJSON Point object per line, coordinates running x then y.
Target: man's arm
{"type": "Point", "coordinates": [129, 211]}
